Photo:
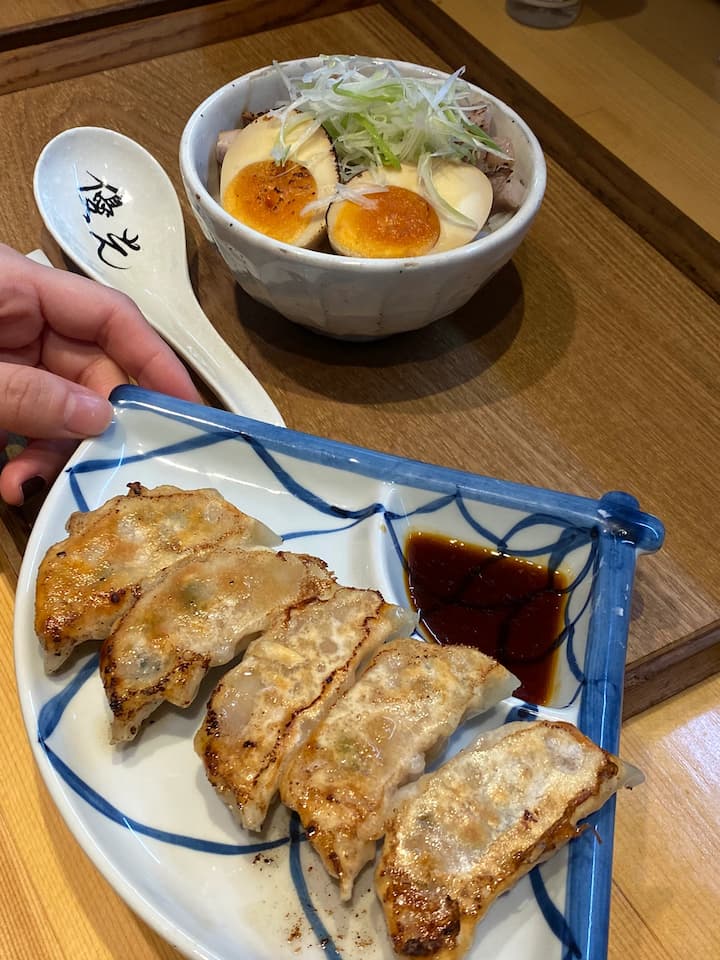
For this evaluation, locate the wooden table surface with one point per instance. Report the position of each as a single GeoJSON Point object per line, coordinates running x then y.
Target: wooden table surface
{"type": "Point", "coordinates": [19, 17]}
{"type": "Point", "coordinates": [636, 76]}
{"type": "Point", "coordinates": [24, 12]}
{"type": "Point", "coordinates": [588, 364]}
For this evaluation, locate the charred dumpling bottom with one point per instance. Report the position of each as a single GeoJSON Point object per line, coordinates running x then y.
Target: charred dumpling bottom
{"type": "Point", "coordinates": [86, 582]}
{"type": "Point", "coordinates": [334, 706]}
{"type": "Point", "coordinates": [467, 832]}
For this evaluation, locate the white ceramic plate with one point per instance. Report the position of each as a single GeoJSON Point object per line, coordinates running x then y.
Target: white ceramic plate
{"type": "Point", "coordinates": [146, 815]}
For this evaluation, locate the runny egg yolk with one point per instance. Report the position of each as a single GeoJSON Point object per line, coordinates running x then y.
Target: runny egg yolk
{"type": "Point", "coordinates": [396, 222]}
{"type": "Point", "coordinates": [270, 198]}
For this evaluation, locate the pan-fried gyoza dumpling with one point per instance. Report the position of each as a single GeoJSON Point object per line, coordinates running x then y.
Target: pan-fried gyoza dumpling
{"type": "Point", "coordinates": [468, 831]}
{"type": "Point", "coordinates": [197, 614]}
{"type": "Point", "coordinates": [263, 709]}
{"type": "Point", "coordinates": [86, 582]}
{"type": "Point", "coordinates": [344, 781]}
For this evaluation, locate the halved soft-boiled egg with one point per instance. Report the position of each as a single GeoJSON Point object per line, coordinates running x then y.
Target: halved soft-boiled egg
{"type": "Point", "coordinates": [400, 219]}
{"type": "Point", "coordinates": [273, 197]}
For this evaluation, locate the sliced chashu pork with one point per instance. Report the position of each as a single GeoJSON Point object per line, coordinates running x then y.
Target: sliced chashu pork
{"type": "Point", "coordinates": [344, 781]}
{"type": "Point", "coordinates": [468, 831]}
{"type": "Point", "coordinates": [197, 614]}
{"type": "Point", "coordinates": [263, 709]}
{"type": "Point", "coordinates": [87, 581]}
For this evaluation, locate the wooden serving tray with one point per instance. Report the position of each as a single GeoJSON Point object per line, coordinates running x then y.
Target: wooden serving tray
{"type": "Point", "coordinates": [587, 364]}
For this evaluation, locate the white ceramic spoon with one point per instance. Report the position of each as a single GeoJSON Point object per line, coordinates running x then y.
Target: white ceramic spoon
{"type": "Point", "coordinates": [114, 211]}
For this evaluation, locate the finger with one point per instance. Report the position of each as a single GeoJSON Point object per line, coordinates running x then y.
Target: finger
{"type": "Point", "coordinates": [83, 310]}
{"type": "Point", "coordinates": [34, 468]}
{"type": "Point", "coordinates": [40, 404]}
{"type": "Point", "coordinates": [29, 353]}
{"type": "Point", "coordinates": [21, 320]}
{"type": "Point", "coordinates": [84, 363]}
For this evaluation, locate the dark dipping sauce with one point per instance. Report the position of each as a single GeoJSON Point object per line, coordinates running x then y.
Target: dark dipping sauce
{"type": "Point", "coordinates": [507, 607]}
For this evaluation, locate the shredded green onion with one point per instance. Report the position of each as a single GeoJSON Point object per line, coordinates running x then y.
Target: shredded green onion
{"type": "Point", "coordinates": [377, 117]}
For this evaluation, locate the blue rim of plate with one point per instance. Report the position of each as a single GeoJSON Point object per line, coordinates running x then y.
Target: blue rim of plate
{"type": "Point", "coordinates": [621, 531]}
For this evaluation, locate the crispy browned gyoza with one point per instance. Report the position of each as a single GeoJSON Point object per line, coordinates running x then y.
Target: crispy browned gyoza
{"type": "Point", "coordinates": [87, 581]}
{"type": "Point", "coordinates": [468, 831]}
{"type": "Point", "coordinates": [263, 709]}
{"type": "Point", "coordinates": [344, 781]}
{"type": "Point", "coordinates": [197, 614]}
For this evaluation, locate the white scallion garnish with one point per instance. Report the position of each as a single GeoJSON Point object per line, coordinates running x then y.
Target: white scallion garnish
{"type": "Point", "coordinates": [360, 193]}
{"type": "Point", "coordinates": [377, 117]}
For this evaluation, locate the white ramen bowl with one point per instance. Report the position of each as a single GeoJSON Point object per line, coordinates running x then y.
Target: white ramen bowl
{"type": "Point", "coordinates": [347, 297]}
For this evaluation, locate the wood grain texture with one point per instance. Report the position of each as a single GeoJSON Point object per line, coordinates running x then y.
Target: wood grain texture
{"type": "Point", "coordinates": [604, 109]}
{"type": "Point", "coordinates": [666, 886]}
{"type": "Point", "coordinates": [35, 22]}
{"type": "Point", "coordinates": [595, 95]}
{"type": "Point", "coordinates": [14, 532]}
{"type": "Point", "coordinates": [568, 370]}
{"type": "Point", "coordinates": [672, 669]}
{"type": "Point", "coordinates": [588, 364]}
{"type": "Point", "coordinates": [21, 13]}
{"type": "Point", "coordinates": [64, 54]}
{"type": "Point", "coordinates": [636, 76]}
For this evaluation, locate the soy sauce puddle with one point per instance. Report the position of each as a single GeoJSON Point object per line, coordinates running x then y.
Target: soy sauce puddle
{"type": "Point", "coordinates": [508, 607]}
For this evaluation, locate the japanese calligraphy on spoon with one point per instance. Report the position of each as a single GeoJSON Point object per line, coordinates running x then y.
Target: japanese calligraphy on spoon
{"type": "Point", "coordinates": [114, 211]}
{"type": "Point", "coordinates": [102, 199]}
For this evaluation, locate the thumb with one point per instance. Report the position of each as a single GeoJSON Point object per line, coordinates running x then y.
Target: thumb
{"type": "Point", "coordinates": [36, 403]}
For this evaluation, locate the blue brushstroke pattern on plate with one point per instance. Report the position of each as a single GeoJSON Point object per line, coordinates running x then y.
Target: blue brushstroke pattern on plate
{"type": "Point", "coordinates": [354, 508]}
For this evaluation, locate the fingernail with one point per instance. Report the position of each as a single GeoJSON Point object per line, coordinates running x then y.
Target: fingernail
{"type": "Point", "coordinates": [32, 487]}
{"type": "Point", "coordinates": [87, 414]}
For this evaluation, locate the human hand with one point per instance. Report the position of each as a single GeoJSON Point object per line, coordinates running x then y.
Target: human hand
{"type": "Point", "coordinates": [65, 343]}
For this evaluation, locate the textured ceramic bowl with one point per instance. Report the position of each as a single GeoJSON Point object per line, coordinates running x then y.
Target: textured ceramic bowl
{"type": "Point", "coordinates": [347, 297]}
